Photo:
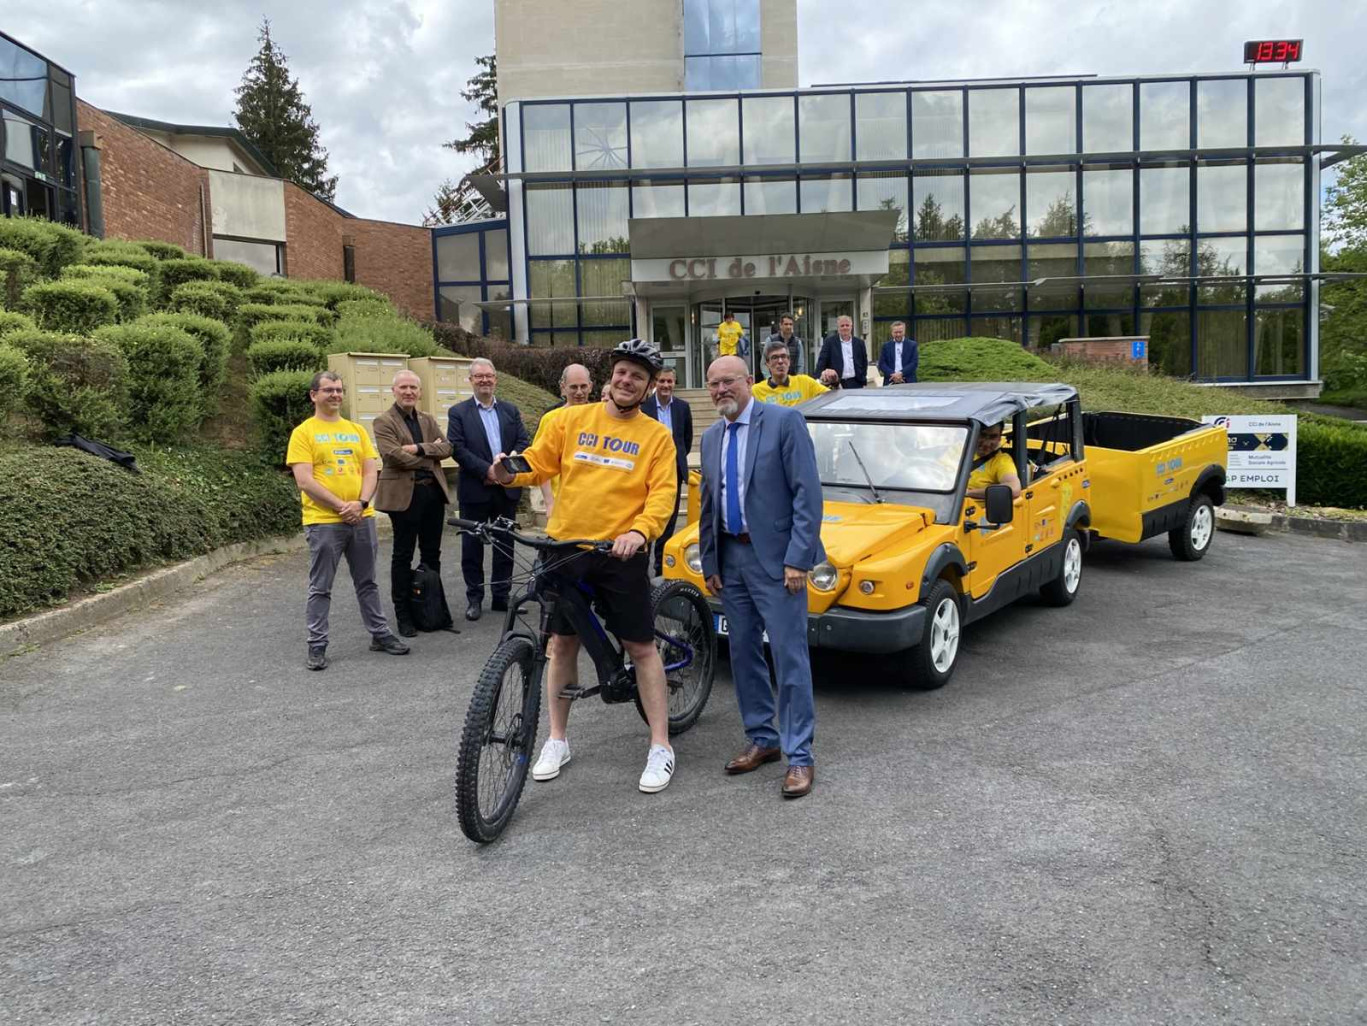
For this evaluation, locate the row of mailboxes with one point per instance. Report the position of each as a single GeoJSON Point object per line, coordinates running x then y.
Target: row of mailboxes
{"type": "Point", "coordinates": [368, 378]}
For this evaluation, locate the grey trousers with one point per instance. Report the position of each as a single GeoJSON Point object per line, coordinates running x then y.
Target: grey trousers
{"type": "Point", "coordinates": [328, 543]}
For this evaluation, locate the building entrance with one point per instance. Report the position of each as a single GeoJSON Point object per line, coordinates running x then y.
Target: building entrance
{"type": "Point", "coordinates": [759, 316]}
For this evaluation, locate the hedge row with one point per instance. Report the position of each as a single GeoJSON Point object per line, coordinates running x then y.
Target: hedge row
{"type": "Point", "coordinates": [74, 384]}
{"type": "Point", "coordinates": [75, 306]}
{"type": "Point", "coordinates": [279, 402]}
{"type": "Point", "coordinates": [265, 357]}
{"type": "Point", "coordinates": [18, 270]}
{"type": "Point", "coordinates": [51, 246]}
{"type": "Point", "coordinates": [537, 366]}
{"type": "Point", "coordinates": [216, 299]}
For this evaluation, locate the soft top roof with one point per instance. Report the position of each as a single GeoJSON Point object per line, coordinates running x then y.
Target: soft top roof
{"type": "Point", "coordinates": [987, 402]}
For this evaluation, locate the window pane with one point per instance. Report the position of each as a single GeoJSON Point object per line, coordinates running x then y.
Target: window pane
{"type": "Point", "coordinates": [721, 74]}
{"type": "Point", "coordinates": [894, 304]}
{"type": "Point", "coordinates": [604, 278]}
{"type": "Point", "coordinates": [1222, 258]}
{"type": "Point", "coordinates": [61, 107]}
{"type": "Point", "coordinates": [657, 199]}
{"type": "Point", "coordinates": [1221, 344]}
{"type": "Point", "coordinates": [657, 133]}
{"type": "Point", "coordinates": [826, 193]}
{"type": "Point", "coordinates": [550, 219]}
{"type": "Point", "coordinates": [1278, 196]}
{"type": "Point", "coordinates": [994, 202]}
{"type": "Point", "coordinates": [770, 196]}
{"type": "Point", "coordinates": [937, 124]}
{"type": "Point", "coordinates": [937, 267]}
{"type": "Point", "coordinates": [1222, 113]}
{"type": "Point", "coordinates": [19, 140]}
{"type": "Point", "coordinates": [23, 78]}
{"type": "Point", "coordinates": [1278, 347]}
{"type": "Point", "coordinates": [713, 133]}
{"type": "Point", "coordinates": [1222, 198]}
{"type": "Point", "coordinates": [1169, 341]}
{"type": "Point", "coordinates": [1279, 254]}
{"type": "Point", "coordinates": [552, 279]}
{"type": "Point", "coordinates": [1107, 260]}
{"type": "Point", "coordinates": [546, 135]}
{"type": "Point", "coordinates": [1164, 200]}
{"type": "Point", "coordinates": [600, 135]}
{"type": "Point", "coordinates": [769, 135]}
{"type": "Point", "coordinates": [264, 256]}
{"type": "Point", "coordinates": [1043, 332]}
{"type": "Point", "coordinates": [993, 122]}
{"type": "Point", "coordinates": [939, 201]}
{"type": "Point", "coordinates": [500, 318]}
{"type": "Point", "coordinates": [714, 199]}
{"type": "Point", "coordinates": [1108, 202]}
{"type": "Point", "coordinates": [496, 255]}
{"type": "Point", "coordinates": [1050, 204]}
{"type": "Point", "coordinates": [457, 257]}
{"type": "Point", "coordinates": [824, 127]}
{"type": "Point", "coordinates": [992, 264]}
{"type": "Point", "coordinates": [1056, 260]}
{"type": "Point", "coordinates": [1051, 120]}
{"type": "Point", "coordinates": [1107, 118]}
{"type": "Point", "coordinates": [1165, 115]}
{"type": "Point", "coordinates": [602, 218]}
{"type": "Point", "coordinates": [880, 126]}
{"type": "Point", "coordinates": [1171, 258]}
{"type": "Point", "coordinates": [929, 329]}
{"type": "Point", "coordinates": [697, 26]}
{"type": "Point", "coordinates": [885, 192]}
{"type": "Point", "coordinates": [460, 305]}
{"type": "Point", "coordinates": [721, 26]}
{"type": "Point", "coordinates": [1279, 111]}
{"type": "Point", "coordinates": [1008, 328]}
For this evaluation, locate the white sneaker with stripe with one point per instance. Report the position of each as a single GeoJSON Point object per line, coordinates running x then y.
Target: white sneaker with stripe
{"type": "Point", "coordinates": [659, 769]}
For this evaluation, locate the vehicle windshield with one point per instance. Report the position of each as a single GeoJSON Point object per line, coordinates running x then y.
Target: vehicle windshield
{"type": "Point", "coordinates": [908, 457]}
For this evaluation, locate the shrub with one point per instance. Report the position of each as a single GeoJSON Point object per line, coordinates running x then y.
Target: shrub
{"type": "Point", "coordinates": [1330, 456]}
{"type": "Point", "coordinates": [233, 273]}
{"type": "Point", "coordinates": [19, 270]}
{"type": "Point", "coordinates": [216, 299]}
{"type": "Point", "coordinates": [378, 306]}
{"type": "Point", "coordinates": [266, 357]}
{"type": "Point", "coordinates": [162, 250]}
{"type": "Point", "coordinates": [73, 306]}
{"type": "Point", "coordinates": [251, 314]}
{"type": "Point", "coordinates": [75, 384]}
{"type": "Point", "coordinates": [13, 378]}
{"type": "Point", "coordinates": [11, 321]}
{"type": "Point", "coordinates": [51, 246]}
{"type": "Point", "coordinates": [128, 285]}
{"type": "Point", "coordinates": [261, 296]}
{"type": "Point", "coordinates": [215, 341]}
{"type": "Point", "coordinates": [122, 254]}
{"type": "Point", "coordinates": [299, 331]}
{"type": "Point", "coordinates": [537, 366]}
{"type": "Point", "coordinates": [108, 272]}
{"type": "Point", "coordinates": [177, 272]}
{"type": "Point", "coordinates": [335, 293]}
{"type": "Point", "coordinates": [279, 402]}
{"type": "Point", "coordinates": [381, 333]}
{"type": "Point", "coordinates": [163, 378]}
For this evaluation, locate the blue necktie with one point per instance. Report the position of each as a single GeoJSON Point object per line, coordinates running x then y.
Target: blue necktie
{"type": "Point", "coordinates": [734, 523]}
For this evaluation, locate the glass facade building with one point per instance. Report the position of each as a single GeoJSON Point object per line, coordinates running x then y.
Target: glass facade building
{"type": "Point", "coordinates": [39, 175]}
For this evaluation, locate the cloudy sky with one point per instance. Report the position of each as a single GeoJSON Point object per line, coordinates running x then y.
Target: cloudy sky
{"type": "Point", "coordinates": [384, 76]}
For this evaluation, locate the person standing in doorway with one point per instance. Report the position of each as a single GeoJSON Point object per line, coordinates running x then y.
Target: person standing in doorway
{"type": "Point", "coordinates": [731, 339]}
{"type": "Point", "coordinates": [844, 359]}
{"type": "Point", "coordinates": [676, 415]}
{"type": "Point", "coordinates": [899, 358]}
{"type": "Point", "coordinates": [797, 349]}
{"type": "Point", "coordinates": [336, 468]}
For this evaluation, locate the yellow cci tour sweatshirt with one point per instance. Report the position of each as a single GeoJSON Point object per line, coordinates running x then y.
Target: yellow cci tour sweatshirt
{"type": "Point", "coordinates": [615, 475]}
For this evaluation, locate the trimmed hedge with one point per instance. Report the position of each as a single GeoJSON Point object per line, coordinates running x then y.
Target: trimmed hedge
{"type": "Point", "coordinates": [536, 365]}
{"type": "Point", "coordinates": [378, 306]}
{"type": "Point", "coordinates": [177, 272]}
{"type": "Point", "coordinates": [215, 341]}
{"type": "Point", "coordinates": [71, 518]}
{"type": "Point", "coordinates": [216, 299]}
{"type": "Point", "coordinates": [251, 314]}
{"type": "Point", "coordinates": [162, 250]}
{"type": "Point", "coordinates": [268, 356]}
{"type": "Point", "coordinates": [75, 384]}
{"type": "Point", "coordinates": [74, 306]}
{"type": "Point", "coordinates": [121, 254]}
{"type": "Point", "coordinates": [233, 273]}
{"type": "Point", "coordinates": [1330, 457]}
{"type": "Point", "coordinates": [382, 333]}
{"type": "Point", "coordinates": [13, 378]}
{"type": "Point", "coordinates": [334, 293]}
{"type": "Point", "coordinates": [19, 271]}
{"type": "Point", "coordinates": [11, 321]}
{"type": "Point", "coordinates": [51, 246]}
{"type": "Point", "coordinates": [107, 272]}
{"type": "Point", "coordinates": [279, 402]}
{"type": "Point", "coordinates": [302, 331]}
{"type": "Point", "coordinates": [163, 378]}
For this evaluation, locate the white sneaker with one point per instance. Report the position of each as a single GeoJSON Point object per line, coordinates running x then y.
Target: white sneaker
{"type": "Point", "coordinates": [554, 754]}
{"type": "Point", "coordinates": [659, 769]}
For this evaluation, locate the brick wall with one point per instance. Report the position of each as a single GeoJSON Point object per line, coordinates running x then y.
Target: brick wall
{"type": "Point", "coordinates": [148, 191]}
{"type": "Point", "coordinates": [313, 231]}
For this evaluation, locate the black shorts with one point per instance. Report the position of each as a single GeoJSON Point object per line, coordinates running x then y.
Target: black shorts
{"type": "Point", "coordinates": [621, 590]}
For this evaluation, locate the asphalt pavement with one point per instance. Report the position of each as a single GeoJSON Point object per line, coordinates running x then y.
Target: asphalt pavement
{"type": "Point", "coordinates": [1146, 808]}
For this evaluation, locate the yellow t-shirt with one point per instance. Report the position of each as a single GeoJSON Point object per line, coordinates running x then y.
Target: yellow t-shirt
{"type": "Point", "coordinates": [728, 338]}
{"type": "Point", "coordinates": [337, 451]}
{"type": "Point", "coordinates": [998, 466]}
{"type": "Point", "coordinates": [799, 389]}
{"type": "Point", "coordinates": [546, 418]}
{"type": "Point", "coordinates": [615, 475]}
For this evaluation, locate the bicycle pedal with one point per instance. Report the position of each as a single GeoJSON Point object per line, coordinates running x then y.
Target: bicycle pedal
{"type": "Point", "coordinates": [571, 693]}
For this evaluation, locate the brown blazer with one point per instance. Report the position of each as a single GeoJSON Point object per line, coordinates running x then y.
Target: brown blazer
{"type": "Point", "coordinates": [395, 492]}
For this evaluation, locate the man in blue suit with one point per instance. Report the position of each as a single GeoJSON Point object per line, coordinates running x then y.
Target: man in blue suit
{"type": "Point", "coordinates": [760, 532]}
{"type": "Point", "coordinates": [477, 429]}
{"type": "Point", "coordinates": [676, 415]}
{"type": "Point", "coordinates": [899, 357]}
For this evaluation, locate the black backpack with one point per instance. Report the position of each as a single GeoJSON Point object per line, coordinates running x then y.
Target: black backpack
{"type": "Point", "coordinates": [428, 606]}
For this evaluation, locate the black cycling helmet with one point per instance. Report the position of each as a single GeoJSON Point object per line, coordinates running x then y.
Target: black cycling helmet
{"type": "Point", "coordinates": [639, 351]}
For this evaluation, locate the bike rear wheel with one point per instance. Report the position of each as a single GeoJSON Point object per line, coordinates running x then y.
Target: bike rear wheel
{"type": "Point", "coordinates": [687, 644]}
{"type": "Point", "coordinates": [496, 745]}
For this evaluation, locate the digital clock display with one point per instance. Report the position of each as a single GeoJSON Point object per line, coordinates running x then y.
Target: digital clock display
{"type": "Point", "coordinates": [1272, 51]}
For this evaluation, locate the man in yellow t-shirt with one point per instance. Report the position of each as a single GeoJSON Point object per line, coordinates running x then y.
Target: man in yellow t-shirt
{"type": "Point", "coordinates": [337, 470]}
{"type": "Point", "coordinates": [618, 481]}
{"type": "Point", "coordinates": [729, 335]}
{"type": "Point", "coordinates": [782, 388]}
{"type": "Point", "coordinates": [991, 465]}
{"type": "Point", "coordinates": [576, 384]}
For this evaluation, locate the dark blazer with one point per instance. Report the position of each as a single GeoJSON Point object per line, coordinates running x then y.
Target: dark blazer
{"type": "Point", "coordinates": [911, 356]}
{"type": "Point", "coordinates": [681, 422]}
{"type": "Point", "coordinates": [832, 356]}
{"type": "Point", "coordinates": [470, 447]}
{"type": "Point", "coordinates": [395, 492]}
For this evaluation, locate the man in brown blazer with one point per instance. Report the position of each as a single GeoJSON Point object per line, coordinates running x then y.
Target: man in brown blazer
{"type": "Point", "coordinates": [413, 489]}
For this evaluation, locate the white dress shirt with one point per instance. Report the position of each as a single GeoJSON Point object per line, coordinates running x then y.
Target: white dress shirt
{"type": "Point", "coordinates": [847, 355]}
{"type": "Point", "coordinates": [742, 436]}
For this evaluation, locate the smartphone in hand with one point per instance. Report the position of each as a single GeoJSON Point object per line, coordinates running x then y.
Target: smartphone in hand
{"type": "Point", "coordinates": [515, 464]}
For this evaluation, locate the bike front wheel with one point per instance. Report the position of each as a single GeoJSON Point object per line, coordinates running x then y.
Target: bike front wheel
{"type": "Point", "coordinates": [496, 745]}
{"type": "Point", "coordinates": [687, 643]}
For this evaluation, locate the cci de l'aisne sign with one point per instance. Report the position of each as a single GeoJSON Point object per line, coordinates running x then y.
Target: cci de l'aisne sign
{"type": "Point", "coordinates": [765, 265]}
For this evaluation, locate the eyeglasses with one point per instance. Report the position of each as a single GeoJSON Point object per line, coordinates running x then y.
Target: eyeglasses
{"type": "Point", "coordinates": [332, 391]}
{"type": "Point", "coordinates": [720, 383]}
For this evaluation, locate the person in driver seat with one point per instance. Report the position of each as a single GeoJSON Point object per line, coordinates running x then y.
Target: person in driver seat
{"type": "Point", "coordinates": [991, 465]}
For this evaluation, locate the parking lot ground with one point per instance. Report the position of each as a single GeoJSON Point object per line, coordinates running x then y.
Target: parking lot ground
{"type": "Point", "coordinates": [1146, 808]}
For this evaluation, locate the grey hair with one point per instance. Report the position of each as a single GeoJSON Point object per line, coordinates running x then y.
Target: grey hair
{"type": "Point", "coordinates": [406, 373]}
{"type": "Point", "coordinates": [773, 346]}
{"type": "Point", "coordinates": [322, 376]}
{"type": "Point", "coordinates": [483, 360]}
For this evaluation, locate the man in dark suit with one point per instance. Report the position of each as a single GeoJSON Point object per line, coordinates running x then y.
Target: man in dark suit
{"type": "Point", "coordinates": [844, 359]}
{"type": "Point", "coordinates": [899, 357]}
{"type": "Point", "coordinates": [478, 429]}
{"type": "Point", "coordinates": [676, 415]}
{"type": "Point", "coordinates": [413, 489]}
{"type": "Point", "coordinates": [760, 533]}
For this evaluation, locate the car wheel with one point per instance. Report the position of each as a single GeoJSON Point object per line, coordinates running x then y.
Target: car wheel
{"type": "Point", "coordinates": [1192, 540]}
{"type": "Point", "coordinates": [932, 662]}
{"type": "Point", "coordinates": [1063, 589]}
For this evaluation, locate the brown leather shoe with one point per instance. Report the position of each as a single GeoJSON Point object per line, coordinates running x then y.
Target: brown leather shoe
{"type": "Point", "coordinates": [798, 781]}
{"type": "Point", "coordinates": [752, 758]}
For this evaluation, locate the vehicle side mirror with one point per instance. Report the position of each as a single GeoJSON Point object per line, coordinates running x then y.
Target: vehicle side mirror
{"type": "Point", "coordinates": [1000, 504]}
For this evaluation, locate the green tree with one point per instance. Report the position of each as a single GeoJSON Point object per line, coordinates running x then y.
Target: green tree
{"type": "Point", "coordinates": [1345, 202]}
{"type": "Point", "coordinates": [1343, 325]}
{"type": "Point", "coordinates": [271, 112]}
{"type": "Point", "coordinates": [453, 199]}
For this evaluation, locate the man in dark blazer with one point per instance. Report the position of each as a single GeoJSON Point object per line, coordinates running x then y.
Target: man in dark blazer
{"type": "Point", "coordinates": [412, 489]}
{"type": "Point", "coordinates": [760, 533]}
{"type": "Point", "coordinates": [899, 357]}
{"type": "Point", "coordinates": [676, 415]}
{"type": "Point", "coordinates": [844, 359]}
{"type": "Point", "coordinates": [477, 429]}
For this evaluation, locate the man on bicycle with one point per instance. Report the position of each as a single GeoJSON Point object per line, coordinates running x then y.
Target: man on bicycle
{"type": "Point", "coordinates": [618, 482]}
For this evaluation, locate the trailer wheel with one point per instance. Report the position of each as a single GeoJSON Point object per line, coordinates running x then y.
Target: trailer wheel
{"type": "Point", "coordinates": [1192, 540]}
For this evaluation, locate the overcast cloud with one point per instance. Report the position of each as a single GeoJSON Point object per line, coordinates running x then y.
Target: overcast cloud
{"type": "Point", "coordinates": [384, 76]}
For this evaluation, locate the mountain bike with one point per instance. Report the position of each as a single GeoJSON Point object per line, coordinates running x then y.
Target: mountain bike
{"type": "Point", "coordinates": [497, 744]}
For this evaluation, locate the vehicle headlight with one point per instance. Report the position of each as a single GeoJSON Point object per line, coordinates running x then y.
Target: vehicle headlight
{"type": "Point", "coordinates": [693, 558]}
{"type": "Point", "coordinates": [823, 576]}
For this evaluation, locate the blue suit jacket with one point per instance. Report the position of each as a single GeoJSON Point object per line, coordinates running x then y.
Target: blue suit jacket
{"type": "Point", "coordinates": [782, 492]}
{"type": "Point", "coordinates": [681, 426]}
{"type": "Point", "coordinates": [470, 448]}
{"type": "Point", "coordinates": [911, 356]}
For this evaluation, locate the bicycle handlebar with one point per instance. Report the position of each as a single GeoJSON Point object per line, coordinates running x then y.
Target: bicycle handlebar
{"type": "Point", "coordinates": [500, 527]}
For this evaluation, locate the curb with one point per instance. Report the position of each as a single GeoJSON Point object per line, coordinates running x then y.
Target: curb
{"type": "Point", "coordinates": [1249, 521]}
{"type": "Point", "coordinates": [42, 628]}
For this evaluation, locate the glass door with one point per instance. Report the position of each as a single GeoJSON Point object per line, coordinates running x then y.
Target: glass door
{"type": "Point", "coordinates": [669, 332]}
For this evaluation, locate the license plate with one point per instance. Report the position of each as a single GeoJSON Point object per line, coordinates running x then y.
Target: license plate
{"type": "Point", "coordinates": [722, 629]}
